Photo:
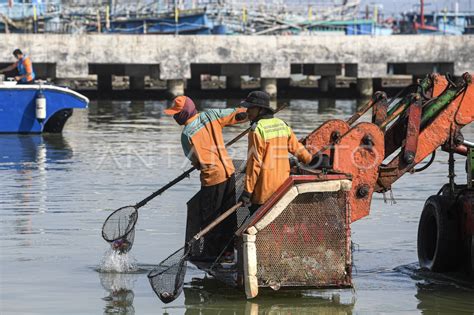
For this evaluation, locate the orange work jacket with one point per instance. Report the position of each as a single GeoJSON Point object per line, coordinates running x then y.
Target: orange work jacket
{"type": "Point", "coordinates": [203, 143]}
{"type": "Point", "coordinates": [270, 141]}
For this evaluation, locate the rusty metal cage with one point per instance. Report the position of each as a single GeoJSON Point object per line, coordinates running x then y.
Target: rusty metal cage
{"type": "Point", "coordinates": [307, 244]}
{"type": "Point", "coordinates": [300, 237]}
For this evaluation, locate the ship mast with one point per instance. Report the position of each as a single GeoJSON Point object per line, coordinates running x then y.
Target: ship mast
{"type": "Point", "coordinates": [422, 13]}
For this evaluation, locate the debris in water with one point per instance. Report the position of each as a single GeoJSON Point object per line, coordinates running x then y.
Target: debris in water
{"type": "Point", "coordinates": [166, 297]}
{"type": "Point", "coordinates": [121, 245]}
{"type": "Point", "coordinates": [114, 261]}
{"type": "Point", "coordinates": [275, 285]}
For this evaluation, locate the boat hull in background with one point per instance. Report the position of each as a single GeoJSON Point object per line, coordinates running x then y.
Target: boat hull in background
{"type": "Point", "coordinates": [18, 108]}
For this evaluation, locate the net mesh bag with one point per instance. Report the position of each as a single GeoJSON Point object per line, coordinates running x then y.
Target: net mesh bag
{"type": "Point", "coordinates": [167, 279]}
{"type": "Point", "coordinates": [119, 228]}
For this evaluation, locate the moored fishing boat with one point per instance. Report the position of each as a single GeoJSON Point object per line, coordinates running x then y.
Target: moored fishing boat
{"type": "Point", "coordinates": [37, 108]}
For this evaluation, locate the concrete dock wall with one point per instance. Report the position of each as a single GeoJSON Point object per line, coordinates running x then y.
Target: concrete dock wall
{"type": "Point", "coordinates": [169, 57]}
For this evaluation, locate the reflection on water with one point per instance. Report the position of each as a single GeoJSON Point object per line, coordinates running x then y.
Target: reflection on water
{"type": "Point", "coordinates": [441, 293]}
{"type": "Point", "coordinates": [119, 287]}
{"type": "Point", "coordinates": [56, 191]}
{"type": "Point", "coordinates": [444, 299]}
{"type": "Point", "coordinates": [30, 157]}
{"type": "Point", "coordinates": [28, 152]}
{"type": "Point", "coordinates": [207, 296]}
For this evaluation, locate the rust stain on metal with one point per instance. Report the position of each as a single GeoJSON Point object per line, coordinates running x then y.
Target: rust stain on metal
{"type": "Point", "coordinates": [321, 137]}
{"type": "Point", "coordinates": [456, 115]}
{"type": "Point", "coordinates": [413, 130]}
{"type": "Point", "coordinates": [362, 161]}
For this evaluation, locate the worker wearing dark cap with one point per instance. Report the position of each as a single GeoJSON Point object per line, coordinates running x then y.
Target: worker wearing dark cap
{"type": "Point", "coordinates": [24, 66]}
{"type": "Point", "coordinates": [203, 145]}
{"type": "Point", "coordinates": [270, 141]}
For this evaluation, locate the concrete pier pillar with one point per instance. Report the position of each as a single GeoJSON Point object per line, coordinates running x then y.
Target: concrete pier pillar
{"type": "Point", "coordinates": [365, 87]}
{"type": "Point", "coordinates": [194, 83]}
{"type": "Point", "coordinates": [175, 87]}
{"type": "Point", "coordinates": [137, 83]}
{"type": "Point", "coordinates": [326, 105]}
{"type": "Point", "coordinates": [377, 84]}
{"type": "Point", "coordinates": [323, 84]}
{"type": "Point", "coordinates": [104, 82]}
{"type": "Point", "coordinates": [233, 82]}
{"type": "Point", "coordinates": [327, 83]}
{"type": "Point", "coordinates": [283, 84]}
{"type": "Point", "coordinates": [269, 86]}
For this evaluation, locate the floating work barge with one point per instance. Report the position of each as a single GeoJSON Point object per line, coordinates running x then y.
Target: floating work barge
{"type": "Point", "coordinates": [301, 236]}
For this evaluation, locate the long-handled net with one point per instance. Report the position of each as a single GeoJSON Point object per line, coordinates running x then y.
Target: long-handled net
{"type": "Point", "coordinates": [119, 227]}
{"type": "Point", "coordinates": [167, 279]}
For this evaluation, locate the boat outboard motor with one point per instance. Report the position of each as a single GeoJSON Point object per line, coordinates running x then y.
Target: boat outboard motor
{"type": "Point", "coordinates": [40, 106]}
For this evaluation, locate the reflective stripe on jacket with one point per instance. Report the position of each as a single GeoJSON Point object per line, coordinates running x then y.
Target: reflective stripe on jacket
{"type": "Point", "coordinates": [268, 166]}
{"type": "Point", "coordinates": [203, 144]}
{"type": "Point", "coordinates": [25, 67]}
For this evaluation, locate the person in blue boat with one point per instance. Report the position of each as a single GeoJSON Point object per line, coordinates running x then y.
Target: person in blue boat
{"type": "Point", "coordinates": [24, 66]}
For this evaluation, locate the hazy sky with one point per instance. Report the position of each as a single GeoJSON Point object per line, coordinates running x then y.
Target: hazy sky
{"type": "Point", "coordinates": [430, 5]}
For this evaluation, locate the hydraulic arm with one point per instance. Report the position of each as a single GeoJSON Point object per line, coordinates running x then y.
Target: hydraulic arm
{"type": "Point", "coordinates": [429, 115]}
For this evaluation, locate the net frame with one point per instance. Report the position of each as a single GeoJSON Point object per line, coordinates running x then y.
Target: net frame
{"type": "Point", "coordinates": [121, 241]}
{"type": "Point", "coordinates": [167, 279]}
{"type": "Point", "coordinates": [175, 264]}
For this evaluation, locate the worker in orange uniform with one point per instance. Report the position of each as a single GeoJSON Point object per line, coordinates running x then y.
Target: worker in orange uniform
{"type": "Point", "coordinates": [203, 145]}
{"type": "Point", "coordinates": [24, 66]}
{"type": "Point", "coordinates": [270, 141]}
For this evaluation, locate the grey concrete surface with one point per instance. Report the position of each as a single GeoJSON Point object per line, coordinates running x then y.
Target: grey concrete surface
{"type": "Point", "coordinates": [170, 57]}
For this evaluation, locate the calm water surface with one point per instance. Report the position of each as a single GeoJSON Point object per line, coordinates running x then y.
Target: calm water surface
{"type": "Point", "coordinates": [56, 191]}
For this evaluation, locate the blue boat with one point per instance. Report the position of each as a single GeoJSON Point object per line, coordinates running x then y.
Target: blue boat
{"type": "Point", "coordinates": [37, 108]}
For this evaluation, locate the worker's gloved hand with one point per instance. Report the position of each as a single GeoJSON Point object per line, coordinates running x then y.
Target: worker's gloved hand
{"type": "Point", "coordinates": [241, 116]}
{"type": "Point", "coordinates": [245, 199]}
{"type": "Point", "coordinates": [320, 161]}
{"type": "Point", "coordinates": [294, 162]}
{"type": "Point", "coordinates": [196, 165]}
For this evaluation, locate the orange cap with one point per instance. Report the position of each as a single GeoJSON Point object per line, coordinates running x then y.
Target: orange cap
{"type": "Point", "coordinates": [178, 104]}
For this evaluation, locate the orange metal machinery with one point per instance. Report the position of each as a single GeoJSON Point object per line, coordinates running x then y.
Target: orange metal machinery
{"type": "Point", "coordinates": [422, 118]}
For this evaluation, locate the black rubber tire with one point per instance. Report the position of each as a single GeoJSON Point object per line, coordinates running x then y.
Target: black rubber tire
{"type": "Point", "coordinates": [437, 235]}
